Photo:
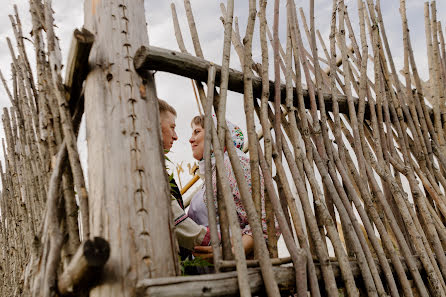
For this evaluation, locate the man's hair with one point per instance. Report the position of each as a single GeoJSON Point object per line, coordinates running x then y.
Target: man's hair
{"type": "Point", "coordinates": [198, 120]}
{"type": "Point", "coordinates": [166, 107]}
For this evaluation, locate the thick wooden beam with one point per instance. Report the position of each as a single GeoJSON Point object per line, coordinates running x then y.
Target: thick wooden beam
{"type": "Point", "coordinates": [221, 284]}
{"type": "Point", "coordinates": [155, 58]}
{"type": "Point", "coordinates": [225, 284]}
{"type": "Point", "coordinates": [85, 267]}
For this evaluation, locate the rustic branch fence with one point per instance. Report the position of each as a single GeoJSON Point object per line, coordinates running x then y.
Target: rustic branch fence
{"type": "Point", "coordinates": [356, 162]}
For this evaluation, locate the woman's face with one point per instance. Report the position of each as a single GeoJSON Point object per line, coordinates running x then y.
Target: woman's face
{"type": "Point", "coordinates": [197, 141]}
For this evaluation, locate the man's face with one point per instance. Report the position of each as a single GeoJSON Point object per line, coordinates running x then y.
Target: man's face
{"type": "Point", "coordinates": [168, 129]}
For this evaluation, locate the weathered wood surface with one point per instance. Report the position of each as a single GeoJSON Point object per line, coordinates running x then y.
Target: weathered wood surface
{"type": "Point", "coordinates": [160, 59]}
{"type": "Point", "coordinates": [129, 205]}
{"type": "Point", "coordinates": [155, 58]}
{"type": "Point", "coordinates": [85, 266]}
{"type": "Point", "coordinates": [221, 284]}
{"type": "Point", "coordinates": [255, 262]}
{"type": "Point", "coordinates": [225, 284]}
{"type": "Point", "coordinates": [77, 67]}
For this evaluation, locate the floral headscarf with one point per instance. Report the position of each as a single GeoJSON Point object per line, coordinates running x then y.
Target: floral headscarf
{"type": "Point", "coordinates": [238, 140]}
{"type": "Point", "coordinates": [237, 135]}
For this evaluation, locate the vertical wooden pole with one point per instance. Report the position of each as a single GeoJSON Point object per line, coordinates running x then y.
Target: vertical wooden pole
{"type": "Point", "coordinates": [130, 203]}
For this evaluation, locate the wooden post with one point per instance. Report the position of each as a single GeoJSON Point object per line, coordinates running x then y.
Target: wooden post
{"type": "Point", "coordinates": [129, 195]}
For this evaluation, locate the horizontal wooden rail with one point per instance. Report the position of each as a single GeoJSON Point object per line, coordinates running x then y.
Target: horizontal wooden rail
{"type": "Point", "coordinates": [155, 58]}
{"type": "Point", "coordinates": [255, 263]}
{"type": "Point", "coordinates": [149, 58]}
{"type": "Point", "coordinates": [225, 284]}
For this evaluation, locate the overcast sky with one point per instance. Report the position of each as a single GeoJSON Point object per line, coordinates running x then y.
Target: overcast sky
{"type": "Point", "coordinates": [178, 91]}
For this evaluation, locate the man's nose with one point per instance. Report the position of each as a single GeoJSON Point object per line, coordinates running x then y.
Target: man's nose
{"type": "Point", "coordinates": [175, 136]}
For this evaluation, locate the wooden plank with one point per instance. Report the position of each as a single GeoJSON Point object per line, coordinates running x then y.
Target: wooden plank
{"type": "Point", "coordinates": [225, 284]}
{"type": "Point", "coordinates": [221, 284]}
{"type": "Point", "coordinates": [155, 58]}
{"type": "Point", "coordinates": [129, 193]}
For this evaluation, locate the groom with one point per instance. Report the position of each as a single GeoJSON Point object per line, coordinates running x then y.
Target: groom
{"type": "Point", "coordinates": [189, 234]}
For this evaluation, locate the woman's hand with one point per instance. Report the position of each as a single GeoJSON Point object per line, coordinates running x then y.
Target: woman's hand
{"type": "Point", "coordinates": [248, 246]}
{"type": "Point", "coordinates": [204, 252]}
{"type": "Point", "coordinates": [207, 253]}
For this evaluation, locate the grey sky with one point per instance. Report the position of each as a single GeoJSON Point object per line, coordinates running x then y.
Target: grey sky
{"type": "Point", "coordinates": [178, 91]}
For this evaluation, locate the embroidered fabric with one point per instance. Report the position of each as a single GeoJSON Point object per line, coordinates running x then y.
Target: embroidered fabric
{"type": "Point", "coordinates": [198, 208]}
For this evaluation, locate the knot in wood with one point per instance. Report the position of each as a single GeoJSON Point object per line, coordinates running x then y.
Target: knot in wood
{"type": "Point", "coordinates": [292, 108]}
{"type": "Point", "coordinates": [421, 156]}
{"type": "Point", "coordinates": [326, 161]}
{"type": "Point", "coordinates": [142, 210]}
{"type": "Point", "coordinates": [406, 170]}
{"type": "Point", "coordinates": [147, 260]}
{"type": "Point", "coordinates": [317, 130]}
{"type": "Point", "coordinates": [274, 154]}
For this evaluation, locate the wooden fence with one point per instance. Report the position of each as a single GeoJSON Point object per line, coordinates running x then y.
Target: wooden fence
{"type": "Point", "coordinates": [362, 143]}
